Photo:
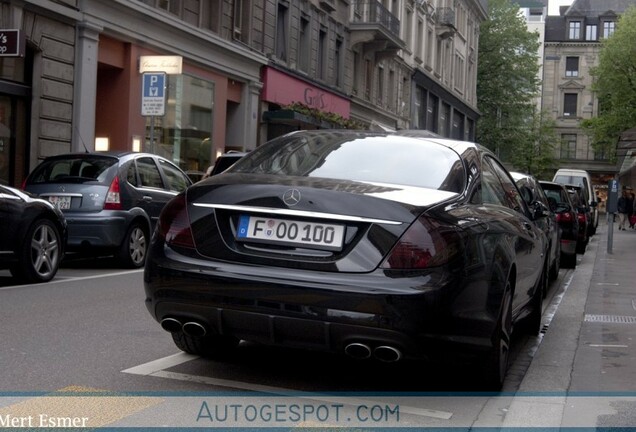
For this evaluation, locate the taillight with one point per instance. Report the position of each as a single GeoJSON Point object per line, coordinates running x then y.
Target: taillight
{"type": "Point", "coordinates": [113, 199]}
{"type": "Point", "coordinates": [564, 217]}
{"type": "Point", "coordinates": [174, 224]}
{"type": "Point", "coordinates": [426, 243]}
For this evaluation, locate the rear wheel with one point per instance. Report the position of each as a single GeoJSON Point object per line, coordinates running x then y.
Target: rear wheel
{"type": "Point", "coordinates": [497, 361]}
{"type": "Point", "coordinates": [41, 253]}
{"type": "Point", "coordinates": [213, 347]}
{"type": "Point", "coordinates": [133, 250]}
{"type": "Point", "coordinates": [554, 268]}
{"type": "Point", "coordinates": [532, 324]}
{"type": "Point", "coordinates": [568, 260]}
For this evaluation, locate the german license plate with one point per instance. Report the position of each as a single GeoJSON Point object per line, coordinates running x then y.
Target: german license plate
{"type": "Point", "coordinates": [61, 202]}
{"type": "Point", "coordinates": [291, 232]}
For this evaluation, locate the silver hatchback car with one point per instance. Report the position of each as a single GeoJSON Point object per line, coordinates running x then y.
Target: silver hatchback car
{"type": "Point", "coordinates": [111, 200]}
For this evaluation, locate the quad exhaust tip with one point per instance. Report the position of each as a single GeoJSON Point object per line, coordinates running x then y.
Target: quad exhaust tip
{"type": "Point", "coordinates": [191, 328]}
{"type": "Point", "coordinates": [387, 354]}
{"type": "Point", "coordinates": [171, 325]}
{"type": "Point", "coordinates": [358, 350]}
{"type": "Point", "coordinates": [383, 353]}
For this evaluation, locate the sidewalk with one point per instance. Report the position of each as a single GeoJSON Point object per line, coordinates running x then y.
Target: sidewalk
{"type": "Point", "coordinates": [587, 359]}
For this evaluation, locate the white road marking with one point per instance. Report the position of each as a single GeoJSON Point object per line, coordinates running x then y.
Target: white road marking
{"type": "Point", "coordinates": [608, 346]}
{"type": "Point", "coordinates": [156, 368]}
{"type": "Point", "coordinates": [62, 279]}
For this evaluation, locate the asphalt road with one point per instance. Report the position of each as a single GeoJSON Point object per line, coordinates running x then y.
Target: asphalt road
{"type": "Point", "coordinates": [89, 329]}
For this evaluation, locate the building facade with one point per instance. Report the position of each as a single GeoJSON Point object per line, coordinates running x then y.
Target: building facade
{"type": "Point", "coordinates": [237, 73]}
{"type": "Point", "coordinates": [572, 45]}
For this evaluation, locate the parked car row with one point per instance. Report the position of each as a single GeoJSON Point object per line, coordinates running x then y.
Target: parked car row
{"type": "Point", "coordinates": [385, 245]}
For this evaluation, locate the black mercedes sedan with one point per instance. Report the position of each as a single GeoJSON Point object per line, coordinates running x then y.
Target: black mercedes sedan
{"type": "Point", "coordinates": [378, 245]}
{"type": "Point", "coordinates": [33, 239]}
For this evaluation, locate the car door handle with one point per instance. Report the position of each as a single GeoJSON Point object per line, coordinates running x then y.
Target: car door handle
{"type": "Point", "coordinates": [146, 198]}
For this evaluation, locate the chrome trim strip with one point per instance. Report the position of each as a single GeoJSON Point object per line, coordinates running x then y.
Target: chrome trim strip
{"type": "Point", "coordinates": [61, 194]}
{"type": "Point", "coordinates": [299, 213]}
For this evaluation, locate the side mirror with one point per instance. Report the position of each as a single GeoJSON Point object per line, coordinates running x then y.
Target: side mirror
{"type": "Point", "coordinates": [593, 204]}
{"type": "Point", "coordinates": [539, 210]}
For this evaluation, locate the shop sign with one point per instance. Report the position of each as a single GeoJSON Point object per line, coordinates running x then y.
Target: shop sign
{"type": "Point", "coordinates": [12, 43]}
{"type": "Point", "coordinates": [171, 65]}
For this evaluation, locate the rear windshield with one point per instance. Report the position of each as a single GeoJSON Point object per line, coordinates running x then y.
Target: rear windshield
{"type": "Point", "coordinates": [374, 159]}
{"type": "Point", "coordinates": [74, 169]}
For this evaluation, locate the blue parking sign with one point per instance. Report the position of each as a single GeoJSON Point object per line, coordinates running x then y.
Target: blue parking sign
{"type": "Point", "coordinates": [153, 94]}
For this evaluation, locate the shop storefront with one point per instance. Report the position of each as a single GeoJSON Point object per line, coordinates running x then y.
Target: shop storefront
{"type": "Point", "coordinates": [290, 103]}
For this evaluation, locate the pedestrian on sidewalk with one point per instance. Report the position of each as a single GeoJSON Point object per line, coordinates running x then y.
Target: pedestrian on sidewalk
{"type": "Point", "coordinates": [632, 213]}
{"type": "Point", "coordinates": [623, 210]}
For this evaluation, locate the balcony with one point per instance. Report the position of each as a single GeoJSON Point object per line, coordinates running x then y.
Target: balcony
{"type": "Point", "coordinates": [375, 27]}
{"type": "Point", "coordinates": [445, 22]}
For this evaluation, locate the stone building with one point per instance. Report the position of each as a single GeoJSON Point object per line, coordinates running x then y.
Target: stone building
{"type": "Point", "coordinates": [237, 73]}
{"type": "Point", "coordinates": [572, 45]}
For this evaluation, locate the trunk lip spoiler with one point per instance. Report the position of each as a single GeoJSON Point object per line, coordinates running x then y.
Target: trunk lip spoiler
{"type": "Point", "coordinates": [298, 213]}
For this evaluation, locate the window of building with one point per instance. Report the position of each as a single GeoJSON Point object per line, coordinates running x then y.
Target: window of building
{"type": "Point", "coordinates": [380, 87]}
{"type": "Point", "coordinates": [420, 108]}
{"type": "Point", "coordinates": [408, 30]}
{"type": "Point", "coordinates": [368, 78]}
{"type": "Point", "coordinates": [242, 15]}
{"type": "Point", "coordinates": [211, 13]}
{"type": "Point", "coordinates": [568, 146]}
{"type": "Point", "coordinates": [356, 73]}
{"type": "Point", "coordinates": [281, 31]}
{"type": "Point", "coordinates": [591, 32]}
{"type": "Point", "coordinates": [432, 113]}
{"type": "Point", "coordinates": [608, 28]}
{"type": "Point", "coordinates": [184, 134]}
{"type": "Point", "coordinates": [574, 30]}
{"type": "Point", "coordinates": [322, 53]}
{"type": "Point", "coordinates": [304, 44]}
{"type": "Point", "coordinates": [445, 120]}
{"type": "Point", "coordinates": [429, 48]}
{"type": "Point", "coordinates": [570, 104]}
{"type": "Point", "coordinates": [459, 73]}
{"type": "Point", "coordinates": [392, 91]}
{"type": "Point", "coordinates": [571, 66]}
{"type": "Point", "coordinates": [338, 69]}
{"type": "Point", "coordinates": [172, 6]}
{"type": "Point", "coordinates": [420, 39]}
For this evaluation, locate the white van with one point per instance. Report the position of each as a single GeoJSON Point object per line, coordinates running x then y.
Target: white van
{"type": "Point", "coordinates": [580, 178]}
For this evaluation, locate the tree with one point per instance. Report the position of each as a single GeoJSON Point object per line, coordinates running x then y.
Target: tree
{"type": "Point", "coordinates": [615, 86]}
{"type": "Point", "coordinates": [534, 153]}
{"type": "Point", "coordinates": [507, 80]}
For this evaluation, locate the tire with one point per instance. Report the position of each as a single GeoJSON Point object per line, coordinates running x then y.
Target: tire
{"type": "Point", "coordinates": [580, 247]}
{"type": "Point", "coordinates": [212, 347]}
{"type": "Point", "coordinates": [134, 248]}
{"type": "Point", "coordinates": [554, 269]}
{"type": "Point", "coordinates": [531, 325]}
{"type": "Point", "coordinates": [41, 253]}
{"type": "Point", "coordinates": [496, 364]}
{"type": "Point", "coordinates": [568, 261]}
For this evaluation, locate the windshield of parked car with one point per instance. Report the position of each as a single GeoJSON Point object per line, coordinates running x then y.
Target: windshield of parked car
{"type": "Point", "coordinates": [365, 158]}
{"type": "Point", "coordinates": [72, 169]}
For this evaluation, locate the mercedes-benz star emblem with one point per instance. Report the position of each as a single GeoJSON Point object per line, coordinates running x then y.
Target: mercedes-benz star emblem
{"type": "Point", "coordinates": [291, 197]}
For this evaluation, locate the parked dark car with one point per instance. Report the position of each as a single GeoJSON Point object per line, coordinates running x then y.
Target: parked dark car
{"type": "Point", "coordinates": [537, 200]}
{"type": "Point", "coordinates": [584, 216]}
{"type": "Point", "coordinates": [33, 237]}
{"type": "Point", "coordinates": [567, 218]}
{"type": "Point", "coordinates": [223, 162]}
{"type": "Point", "coordinates": [377, 245]}
{"type": "Point", "coordinates": [111, 200]}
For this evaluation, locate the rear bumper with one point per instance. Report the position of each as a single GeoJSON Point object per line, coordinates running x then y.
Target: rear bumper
{"type": "Point", "coordinates": [103, 229]}
{"type": "Point", "coordinates": [423, 316]}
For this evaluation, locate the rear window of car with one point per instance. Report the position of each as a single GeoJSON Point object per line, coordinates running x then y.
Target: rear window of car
{"type": "Point", "coordinates": [78, 169]}
{"type": "Point", "coordinates": [373, 159]}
